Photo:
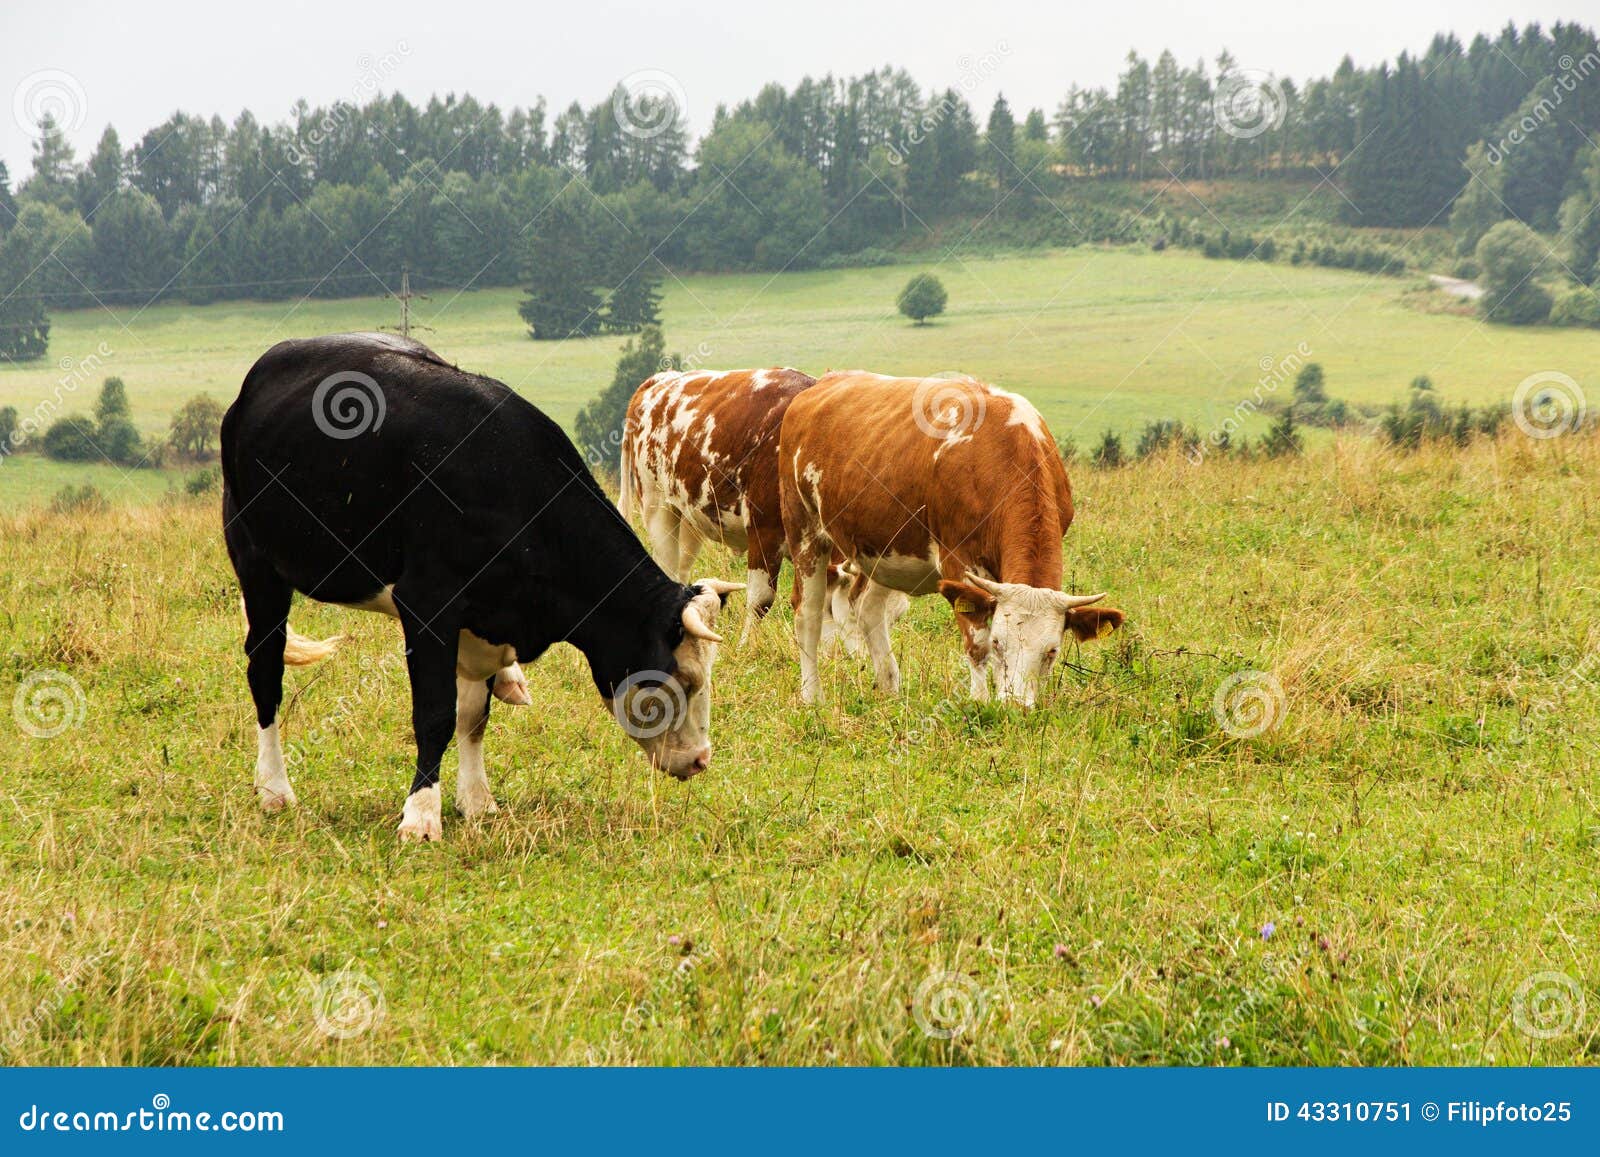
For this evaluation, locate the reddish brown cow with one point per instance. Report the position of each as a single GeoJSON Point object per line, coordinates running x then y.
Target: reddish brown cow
{"type": "Point", "coordinates": [700, 463]}
{"type": "Point", "coordinates": [933, 485]}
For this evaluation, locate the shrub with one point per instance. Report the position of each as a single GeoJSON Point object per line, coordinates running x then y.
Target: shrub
{"type": "Point", "coordinates": [8, 428]}
{"type": "Point", "coordinates": [1510, 255]}
{"type": "Point", "coordinates": [1108, 454]}
{"type": "Point", "coordinates": [1282, 439]}
{"type": "Point", "coordinates": [1067, 447]}
{"type": "Point", "coordinates": [120, 441]}
{"type": "Point", "coordinates": [202, 482]}
{"type": "Point", "coordinates": [1162, 433]}
{"type": "Point", "coordinates": [923, 297]}
{"type": "Point", "coordinates": [85, 499]}
{"type": "Point", "coordinates": [1577, 306]}
{"type": "Point", "coordinates": [72, 439]}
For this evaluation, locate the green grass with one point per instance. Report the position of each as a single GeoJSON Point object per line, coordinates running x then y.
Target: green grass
{"type": "Point", "coordinates": [1420, 826]}
{"type": "Point", "coordinates": [1098, 338]}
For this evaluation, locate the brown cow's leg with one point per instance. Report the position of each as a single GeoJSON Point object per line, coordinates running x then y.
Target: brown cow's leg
{"type": "Point", "coordinates": [874, 612]}
{"type": "Point", "coordinates": [811, 579]}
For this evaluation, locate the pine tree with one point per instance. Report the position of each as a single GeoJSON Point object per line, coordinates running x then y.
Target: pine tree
{"type": "Point", "coordinates": [1001, 138]}
{"type": "Point", "coordinates": [634, 304]}
{"type": "Point", "coordinates": [561, 301]}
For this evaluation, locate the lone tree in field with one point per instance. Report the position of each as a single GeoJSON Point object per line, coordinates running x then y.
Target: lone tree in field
{"type": "Point", "coordinates": [598, 430]}
{"type": "Point", "coordinates": [1510, 255]}
{"type": "Point", "coordinates": [195, 426]}
{"type": "Point", "coordinates": [634, 304]}
{"type": "Point", "coordinates": [116, 435]}
{"type": "Point", "coordinates": [922, 298]}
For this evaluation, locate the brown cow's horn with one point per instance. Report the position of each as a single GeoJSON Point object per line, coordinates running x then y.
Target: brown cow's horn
{"type": "Point", "coordinates": [1070, 601]}
{"type": "Point", "coordinates": [984, 584]}
{"type": "Point", "coordinates": [694, 625]}
{"type": "Point", "coordinates": [719, 587]}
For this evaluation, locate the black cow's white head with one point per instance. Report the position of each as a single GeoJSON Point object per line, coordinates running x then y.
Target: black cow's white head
{"type": "Point", "coordinates": [667, 710]}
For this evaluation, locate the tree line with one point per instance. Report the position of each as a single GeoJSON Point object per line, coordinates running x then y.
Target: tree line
{"type": "Point", "coordinates": [601, 199]}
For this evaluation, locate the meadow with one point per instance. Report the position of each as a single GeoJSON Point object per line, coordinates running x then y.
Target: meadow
{"type": "Point", "coordinates": [1098, 338]}
{"type": "Point", "coordinates": [1377, 845]}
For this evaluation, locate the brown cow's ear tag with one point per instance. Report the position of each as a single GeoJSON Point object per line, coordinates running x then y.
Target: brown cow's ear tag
{"type": "Point", "coordinates": [1105, 628]}
{"type": "Point", "coordinates": [966, 606]}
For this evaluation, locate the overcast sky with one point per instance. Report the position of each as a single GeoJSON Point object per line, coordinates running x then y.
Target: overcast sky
{"type": "Point", "coordinates": [133, 64]}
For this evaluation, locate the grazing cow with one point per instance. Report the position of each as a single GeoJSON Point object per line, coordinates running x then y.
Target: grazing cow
{"type": "Point", "coordinates": [363, 469]}
{"type": "Point", "coordinates": [933, 485]}
{"type": "Point", "coordinates": [700, 463]}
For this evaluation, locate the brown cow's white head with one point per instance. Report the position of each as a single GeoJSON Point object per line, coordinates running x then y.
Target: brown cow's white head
{"type": "Point", "coordinates": [669, 714]}
{"type": "Point", "coordinates": [1024, 627]}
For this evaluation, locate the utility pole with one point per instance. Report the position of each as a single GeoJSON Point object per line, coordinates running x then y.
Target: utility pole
{"type": "Point", "coordinates": [406, 297]}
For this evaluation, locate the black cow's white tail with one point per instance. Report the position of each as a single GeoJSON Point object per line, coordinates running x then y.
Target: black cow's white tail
{"type": "Point", "coordinates": [299, 651]}
{"type": "Point", "coordinates": [626, 499]}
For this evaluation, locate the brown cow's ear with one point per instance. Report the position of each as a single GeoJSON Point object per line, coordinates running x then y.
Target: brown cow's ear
{"type": "Point", "coordinates": [1089, 623]}
{"type": "Point", "coordinates": [967, 599]}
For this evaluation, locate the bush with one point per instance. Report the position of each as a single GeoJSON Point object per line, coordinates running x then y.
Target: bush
{"type": "Point", "coordinates": [85, 499]}
{"type": "Point", "coordinates": [1162, 433]}
{"type": "Point", "coordinates": [1067, 447]}
{"type": "Point", "coordinates": [1511, 255]}
{"type": "Point", "coordinates": [1282, 439]}
{"type": "Point", "coordinates": [202, 482]}
{"type": "Point", "coordinates": [73, 439]}
{"type": "Point", "coordinates": [1108, 454]}
{"type": "Point", "coordinates": [8, 428]}
{"type": "Point", "coordinates": [119, 440]}
{"type": "Point", "coordinates": [923, 297]}
{"type": "Point", "coordinates": [1577, 306]}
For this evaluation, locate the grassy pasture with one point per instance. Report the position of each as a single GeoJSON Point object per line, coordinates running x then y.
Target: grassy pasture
{"type": "Point", "coordinates": [1089, 883]}
{"type": "Point", "coordinates": [1098, 338]}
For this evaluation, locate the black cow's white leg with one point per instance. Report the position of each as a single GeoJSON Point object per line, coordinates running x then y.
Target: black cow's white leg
{"type": "Point", "coordinates": [266, 608]}
{"type": "Point", "coordinates": [431, 663]}
{"type": "Point", "coordinates": [473, 797]}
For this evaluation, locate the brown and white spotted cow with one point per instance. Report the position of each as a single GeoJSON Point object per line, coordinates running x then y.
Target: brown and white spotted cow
{"type": "Point", "coordinates": [700, 464]}
{"type": "Point", "coordinates": [933, 485]}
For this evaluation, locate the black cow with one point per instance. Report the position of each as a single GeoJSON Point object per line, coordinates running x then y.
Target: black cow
{"type": "Point", "coordinates": [363, 469]}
